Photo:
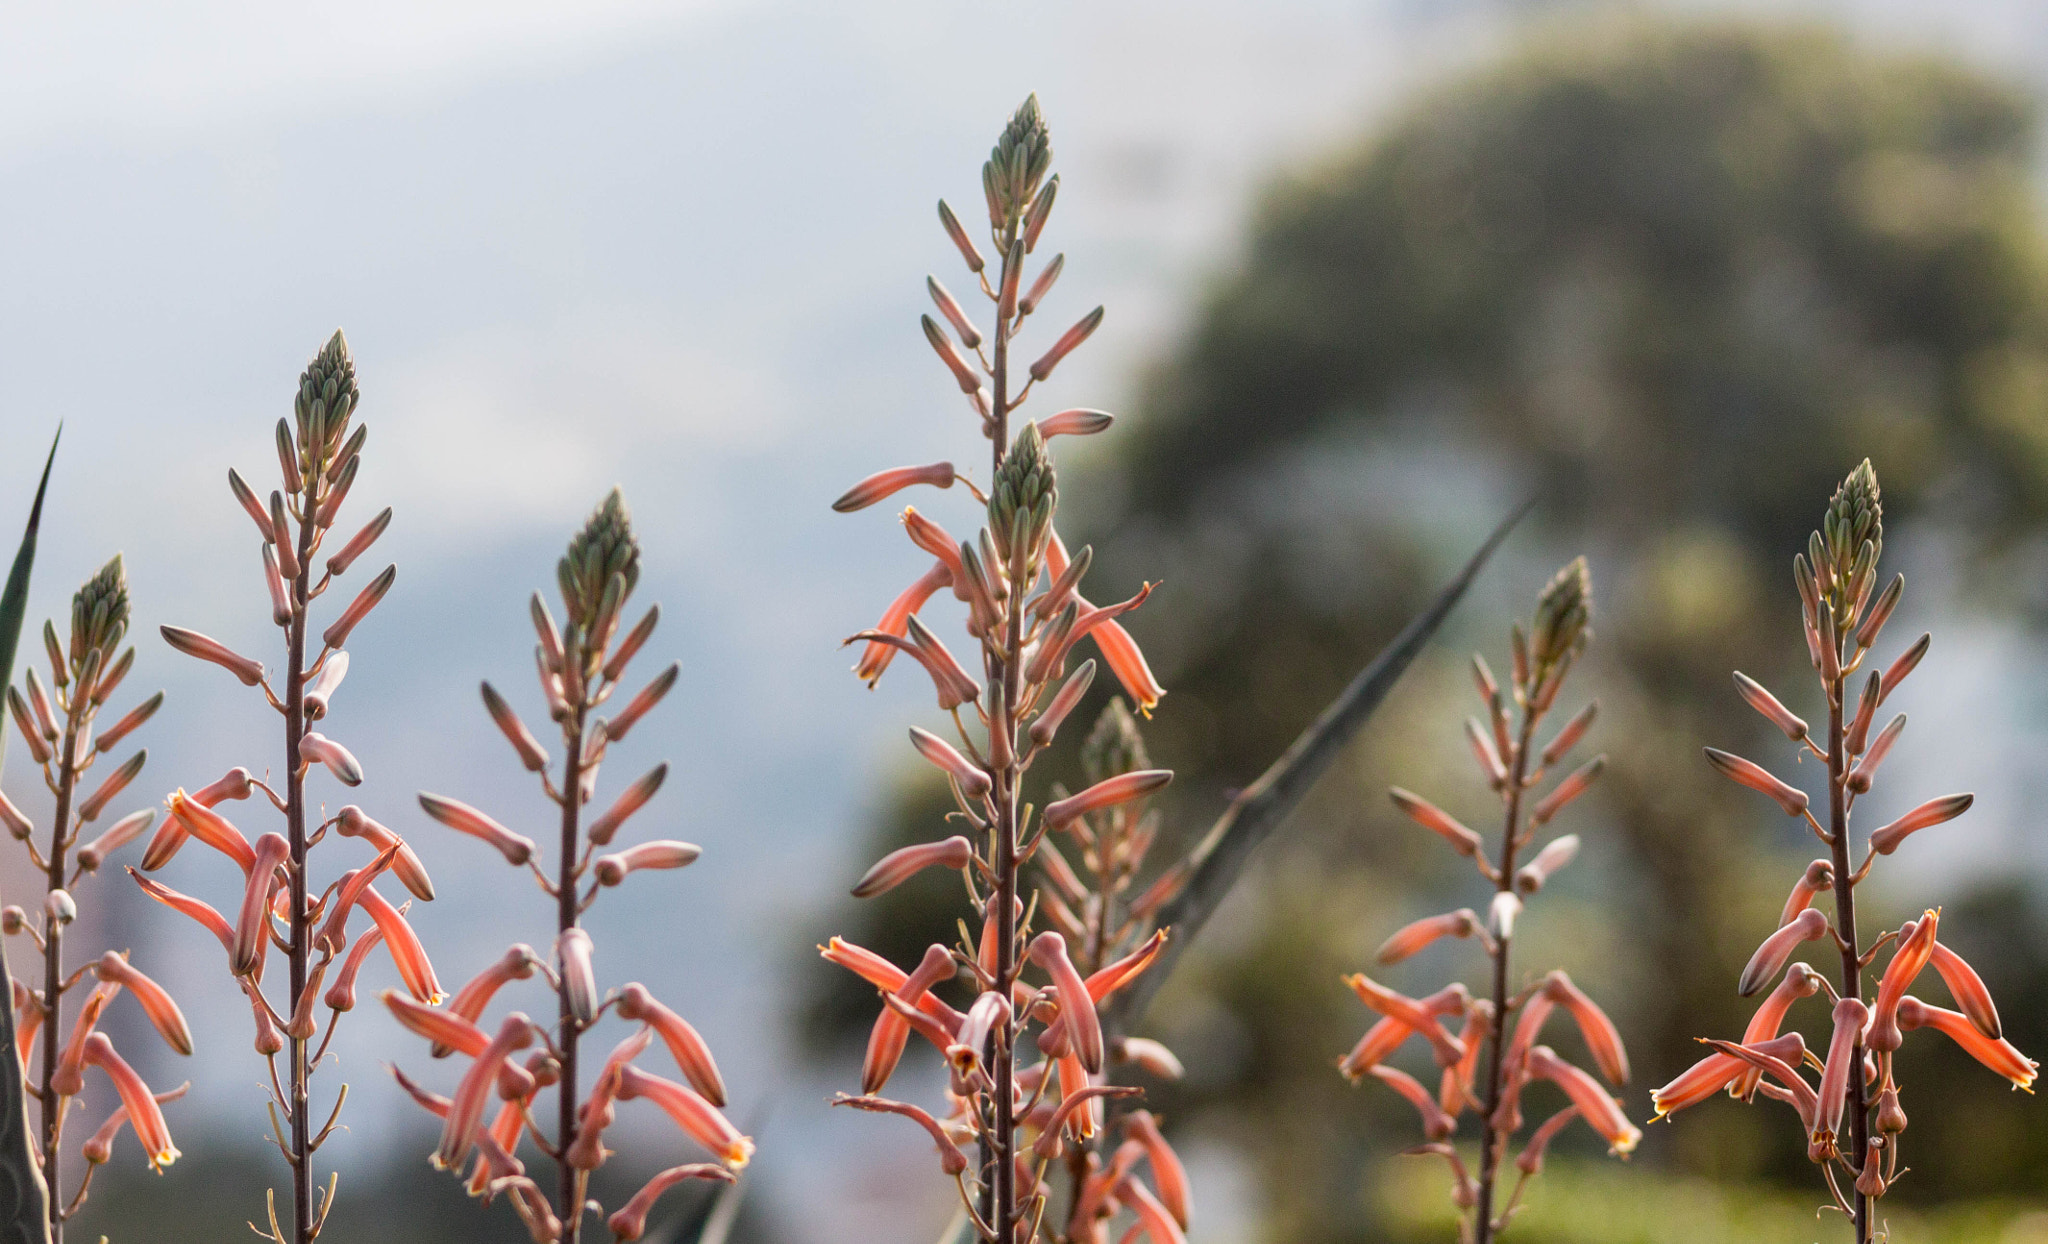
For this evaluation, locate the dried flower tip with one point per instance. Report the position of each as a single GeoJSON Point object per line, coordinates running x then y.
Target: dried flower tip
{"type": "Point", "coordinates": [115, 783]}
{"type": "Point", "coordinates": [336, 635]}
{"type": "Point", "coordinates": [1754, 776]}
{"type": "Point", "coordinates": [1968, 990]}
{"type": "Point", "coordinates": [1076, 422]}
{"type": "Point", "coordinates": [1770, 957]}
{"type": "Point", "coordinates": [1412, 937]}
{"type": "Point", "coordinates": [1439, 822]}
{"type": "Point", "coordinates": [339, 761]}
{"type": "Point", "coordinates": [1865, 771]}
{"type": "Point", "coordinates": [1069, 342]}
{"type": "Point", "coordinates": [631, 800]}
{"type": "Point", "coordinates": [1896, 672]}
{"type": "Point", "coordinates": [1934, 812]}
{"type": "Point", "coordinates": [460, 817]}
{"type": "Point", "coordinates": [1564, 613]}
{"type": "Point", "coordinates": [663, 853]}
{"type": "Point", "coordinates": [1108, 793]}
{"type": "Point", "coordinates": [1555, 854]}
{"type": "Point", "coordinates": [1569, 789]}
{"type": "Point", "coordinates": [1819, 876]}
{"type": "Point", "coordinates": [2000, 1056]}
{"type": "Point", "coordinates": [24, 722]}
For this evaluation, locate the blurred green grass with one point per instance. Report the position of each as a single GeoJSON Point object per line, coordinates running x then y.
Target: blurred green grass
{"type": "Point", "coordinates": [1609, 1203]}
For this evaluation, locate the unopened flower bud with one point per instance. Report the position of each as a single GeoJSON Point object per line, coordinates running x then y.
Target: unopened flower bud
{"type": "Point", "coordinates": [60, 908]}
{"type": "Point", "coordinates": [359, 543]}
{"type": "Point", "coordinates": [1069, 342]}
{"type": "Point", "coordinates": [612, 869]}
{"type": "Point", "coordinates": [336, 634]}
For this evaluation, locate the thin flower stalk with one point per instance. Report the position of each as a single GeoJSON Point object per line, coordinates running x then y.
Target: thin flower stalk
{"type": "Point", "coordinates": [278, 906]}
{"type": "Point", "coordinates": [1028, 1058]}
{"type": "Point", "coordinates": [1851, 1120]}
{"type": "Point", "coordinates": [581, 666]}
{"type": "Point", "coordinates": [1480, 1069]}
{"type": "Point", "coordinates": [84, 673]}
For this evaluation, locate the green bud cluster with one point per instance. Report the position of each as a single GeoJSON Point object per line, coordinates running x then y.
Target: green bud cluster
{"type": "Point", "coordinates": [1114, 746]}
{"type": "Point", "coordinates": [601, 567]}
{"type": "Point", "coordinates": [1016, 165]}
{"type": "Point", "coordinates": [99, 615]}
{"type": "Point", "coordinates": [1564, 616]}
{"type": "Point", "coordinates": [327, 397]}
{"type": "Point", "coordinates": [1025, 494]}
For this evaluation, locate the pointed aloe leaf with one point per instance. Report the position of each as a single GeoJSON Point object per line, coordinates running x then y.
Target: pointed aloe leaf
{"type": "Point", "coordinates": [1220, 858]}
{"type": "Point", "coordinates": [23, 1198]}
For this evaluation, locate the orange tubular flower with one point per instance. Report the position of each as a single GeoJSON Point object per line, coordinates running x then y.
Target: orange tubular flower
{"type": "Point", "coordinates": [1437, 821]}
{"type": "Point", "coordinates": [1969, 991]}
{"type": "Point", "coordinates": [136, 1099]}
{"type": "Point", "coordinates": [692, 1056]}
{"type": "Point", "coordinates": [888, 483]}
{"type": "Point", "coordinates": [252, 927]}
{"type": "Point", "coordinates": [463, 819]}
{"type": "Point", "coordinates": [213, 829]}
{"type": "Point", "coordinates": [1767, 704]}
{"type": "Point", "coordinates": [164, 1015]}
{"type": "Point", "coordinates": [896, 618]}
{"type": "Point", "coordinates": [69, 1078]}
{"type": "Point", "coordinates": [662, 853]}
{"type": "Point", "coordinates": [99, 1147]}
{"type": "Point", "coordinates": [885, 976]}
{"type": "Point", "coordinates": [1850, 1018]}
{"type": "Point", "coordinates": [1436, 1125]}
{"type": "Point", "coordinates": [1409, 1012]}
{"type": "Point", "coordinates": [1818, 877]}
{"type": "Point", "coordinates": [951, 1159]}
{"type": "Point", "coordinates": [1602, 1112]}
{"type": "Point", "coordinates": [466, 1108]}
{"type": "Point", "coordinates": [1717, 1071]}
{"type": "Point", "coordinates": [193, 644]}
{"type": "Point", "coordinates": [1119, 651]}
{"type": "Point", "coordinates": [892, 1029]}
{"type": "Point", "coordinates": [341, 995]}
{"type": "Point", "coordinates": [1530, 1160]}
{"type": "Point", "coordinates": [1770, 957]}
{"type": "Point", "coordinates": [630, 1221]}
{"type": "Point", "coordinates": [1076, 423]}
{"type": "Point", "coordinates": [1084, 1027]}
{"type": "Point", "coordinates": [1799, 982]}
{"type": "Point", "coordinates": [516, 964]}
{"type": "Point", "coordinates": [699, 1119]}
{"type": "Point", "coordinates": [1168, 1175]}
{"type": "Point", "coordinates": [1757, 778]}
{"type": "Point", "coordinates": [1603, 1039]}
{"type": "Point", "coordinates": [1934, 812]}
{"type": "Point", "coordinates": [1154, 1219]}
{"type": "Point", "coordinates": [440, 1027]}
{"type": "Point", "coordinates": [901, 865]}
{"type": "Point", "coordinates": [1410, 938]}
{"type": "Point", "coordinates": [197, 909]}
{"type": "Point", "coordinates": [1909, 959]}
{"type": "Point", "coordinates": [1999, 1055]}
{"type": "Point", "coordinates": [971, 778]}
{"type": "Point", "coordinates": [933, 539]}
{"type": "Point", "coordinates": [407, 954]}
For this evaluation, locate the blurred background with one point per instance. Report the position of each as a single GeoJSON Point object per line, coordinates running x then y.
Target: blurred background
{"type": "Point", "coordinates": [1375, 269]}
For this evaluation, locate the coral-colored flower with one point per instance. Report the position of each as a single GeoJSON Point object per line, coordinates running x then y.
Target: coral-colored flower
{"type": "Point", "coordinates": [351, 822]}
{"type": "Point", "coordinates": [630, 800]}
{"type": "Point", "coordinates": [1154, 1219]}
{"type": "Point", "coordinates": [465, 1109]}
{"type": "Point", "coordinates": [1603, 1039]}
{"type": "Point", "coordinates": [579, 978]}
{"type": "Point", "coordinates": [407, 954]}
{"type": "Point", "coordinates": [1771, 956]}
{"type": "Point", "coordinates": [1602, 1112]}
{"type": "Point", "coordinates": [164, 1015]}
{"type": "Point", "coordinates": [900, 865]}
{"type": "Point", "coordinates": [888, 483]}
{"type": "Point", "coordinates": [1818, 877]}
{"type": "Point", "coordinates": [698, 1118]}
{"type": "Point", "coordinates": [516, 964]}
{"type": "Point", "coordinates": [1934, 812]}
{"type": "Point", "coordinates": [1084, 1027]}
{"type": "Point", "coordinates": [193, 644]}
{"type": "Point", "coordinates": [629, 1221]}
{"type": "Point", "coordinates": [1407, 1011]}
{"type": "Point", "coordinates": [1850, 1018]}
{"type": "Point", "coordinates": [1757, 778]}
{"type": "Point", "coordinates": [460, 817]}
{"type": "Point", "coordinates": [136, 1098]}
{"type": "Point", "coordinates": [970, 777]}
{"type": "Point", "coordinates": [341, 995]}
{"type": "Point", "coordinates": [197, 909]}
{"type": "Point", "coordinates": [1909, 959]}
{"type": "Point", "coordinates": [213, 829]}
{"type": "Point", "coordinates": [895, 619]}
{"type": "Point", "coordinates": [951, 1159]}
{"type": "Point", "coordinates": [692, 1055]}
{"type": "Point", "coordinates": [1412, 937]}
{"type": "Point", "coordinates": [252, 927]}
{"type": "Point", "coordinates": [1437, 821]}
{"type": "Point", "coordinates": [118, 835]}
{"type": "Point", "coordinates": [1108, 793]}
{"type": "Point", "coordinates": [1968, 990]}
{"type": "Point", "coordinates": [1998, 1055]}
{"type": "Point", "coordinates": [659, 854]}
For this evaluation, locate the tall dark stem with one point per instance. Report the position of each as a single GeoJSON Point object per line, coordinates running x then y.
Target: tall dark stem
{"type": "Point", "coordinates": [571, 1195]}
{"type": "Point", "coordinates": [1009, 663]}
{"type": "Point", "coordinates": [295, 827]}
{"type": "Point", "coordinates": [1493, 1146]}
{"type": "Point", "coordinates": [1845, 926]}
{"type": "Point", "coordinates": [53, 971]}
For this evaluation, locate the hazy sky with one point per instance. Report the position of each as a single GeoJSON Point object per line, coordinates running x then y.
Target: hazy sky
{"type": "Point", "coordinates": [678, 247]}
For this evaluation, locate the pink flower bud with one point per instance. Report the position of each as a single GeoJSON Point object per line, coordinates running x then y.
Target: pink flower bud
{"type": "Point", "coordinates": [963, 371]}
{"type": "Point", "coordinates": [339, 761]}
{"type": "Point", "coordinates": [1934, 812]}
{"type": "Point", "coordinates": [1569, 789]}
{"type": "Point", "coordinates": [1603, 1039]}
{"type": "Point", "coordinates": [116, 782]}
{"type": "Point", "coordinates": [359, 543]}
{"type": "Point", "coordinates": [281, 537]}
{"type": "Point", "coordinates": [465, 1109]}
{"type": "Point", "coordinates": [1077, 422]}
{"type": "Point", "coordinates": [1555, 854]}
{"type": "Point", "coordinates": [1069, 341]}
{"type": "Point", "coordinates": [662, 853]}
{"type": "Point", "coordinates": [350, 822]}
{"type": "Point", "coordinates": [1910, 956]}
{"type": "Point", "coordinates": [887, 483]}
{"type": "Point", "coordinates": [650, 695]}
{"type": "Point", "coordinates": [1413, 937]}
{"type": "Point", "coordinates": [337, 633]}
{"type": "Point", "coordinates": [1490, 765]}
{"type": "Point", "coordinates": [1151, 1056]}
{"type": "Point", "coordinates": [15, 820]}
{"type": "Point", "coordinates": [1858, 733]}
{"type": "Point", "coordinates": [69, 1078]}
{"type": "Point", "coordinates": [692, 1055]}
{"type": "Point", "coordinates": [1410, 1013]}
{"type": "Point", "coordinates": [630, 1221]}
{"type": "Point", "coordinates": [1850, 1017]}
{"type": "Point", "coordinates": [972, 781]}
{"type": "Point", "coordinates": [1757, 778]}
{"type": "Point", "coordinates": [1121, 789]}
{"type": "Point", "coordinates": [631, 800]}
{"type": "Point", "coordinates": [1077, 1007]}
{"type": "Point", "coordinates": [1434, 819]}
{"type": "Point", "coordinates": [951, 1159]}
{"type": "Point", "coordinates": [579, 978]}
{"type": "Point", "coordinates": [1865, 771]}
{"type": "Point", "coordinates": [273, 581]}
{"type": "Point", "coordinates": [444, 1028]}
{"type": "Point", "coordinates": [332, 671]}
{"type": "Point", "coordinates": [193, 644]}
{"type": "Point", "coordinates": [341, 995]}
{"type": "Point", "coordinates": [1819, 876]}
{"type": "Point", "coordinates": [1896, 672]}
{"type": "Point", "coordinates": [1043, 285]}
{"type": "Point", "coordinates": [164, 1015]}
{"type": "Point", "coordinates": [899, 866]}
{"type": "Point", "coordinates": [1435, 1123]}
{"type": "Point", "coordinates": [460, 817]}
{"type": "Point", "coordinates": [121, 729]}
{"type": "Point", "coordinates": [1573, 731]}
{"type": "Point", "coordinates": [118, 835]}
{"type": "Point", "coordinates": [252, 927]}
{"type": "Point", "coordinates": [1050, 718]}
{"type": "Point", "coordinates": [1767, 704]}
{"type": "Point", "coordinates": [246, 496]}
{"type": "Point", "coordinates": [1770, 957]}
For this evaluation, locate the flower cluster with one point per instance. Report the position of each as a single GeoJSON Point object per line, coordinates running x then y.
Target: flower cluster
{"type": "Point", "coordinates": [1852, 1118]}
{"type": "Point", "coordinates": [57, 725]}
{"type": "Point", "coordinates": [319, 451]}
{"type": "Point", "coordinates": [1479, 1067]}
{"type": "Point", "coordinates": [1026, 615]}
{"type": "Point", "coordinates": [579, 667]}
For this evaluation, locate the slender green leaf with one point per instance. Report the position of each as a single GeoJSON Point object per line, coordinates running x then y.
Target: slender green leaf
{"type": "Point", "coordinates": [1220, 858]}
{"type": "Point", "coordinates": [23, 1198]}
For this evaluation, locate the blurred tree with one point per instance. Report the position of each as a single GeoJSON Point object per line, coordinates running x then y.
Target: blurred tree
{"type": "Point", "coordinates": [1680, 278]}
